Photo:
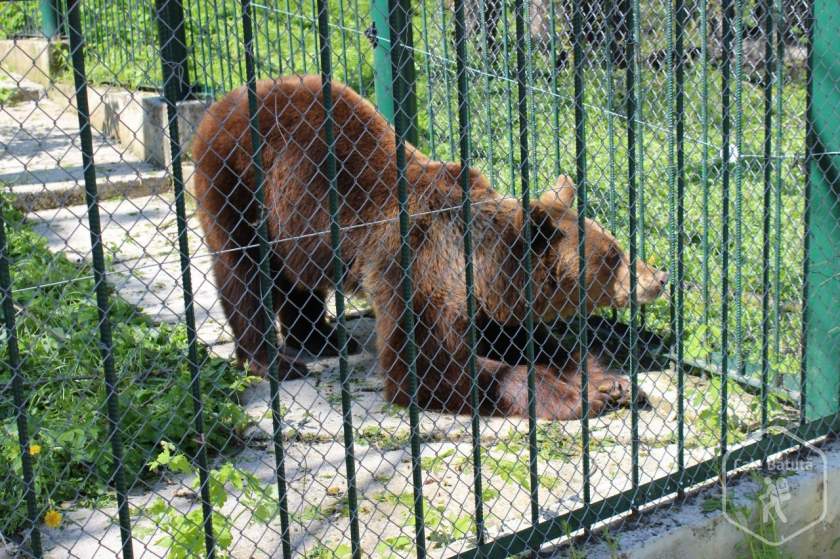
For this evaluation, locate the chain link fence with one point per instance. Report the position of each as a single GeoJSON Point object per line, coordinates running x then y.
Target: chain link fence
{"type": "Point", "coordinates": [379, 278]}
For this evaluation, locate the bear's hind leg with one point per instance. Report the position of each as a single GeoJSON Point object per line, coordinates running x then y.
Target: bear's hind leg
{"type": "Point", "coordinates": [238, 284]}
{"type": "Point", "coordinates": [303, 322]}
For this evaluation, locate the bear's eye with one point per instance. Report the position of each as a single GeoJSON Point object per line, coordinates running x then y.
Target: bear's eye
{"type": "Point", "coordinates": [612, 260]}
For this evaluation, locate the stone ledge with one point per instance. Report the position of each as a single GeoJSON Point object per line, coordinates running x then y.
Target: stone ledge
{"type": "Point", "coordinates": [137, 119]}
{"type": "Point", "coordinates": [37, 60]}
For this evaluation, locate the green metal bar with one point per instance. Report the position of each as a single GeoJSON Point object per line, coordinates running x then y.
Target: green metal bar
{"type": "Point", "coordinates": [615, 505]}
{"type": "Point", "coordinates": [582, 187]}
{"type": "Point", "coordinates": [338, 274]}
{"type": "Point", "coordinates": [50, 17]}
{"type": "Point", "coordinates": [266, 283]}
{"type": "Point", "coordinates": [487, 66]}
{"type": "Point", "coordinates": [343, 33]}
{"type": "Point", "coordinates": [632, 59]}
{"type": "Point", "coordinates": [258, 56]}
{"type": "Point", "coordinates": [640, 133]}
{"type": "Point", "coordinates": [810, 149]}
{"type": "Point", "coordinates": [780, 68]}
{"type": "Point", "coordinates": [430, 86]}
{"type": "Point", "coordinates": [129, 32]}
{"type": "Point", "coordinates": [398, 24]}
{"type": "Point", "coordinates": [672, 167]}
{"type": "Point", "coordinates": [739, 186]}
{"type": "Point", "coordinates": [202, 74]}
{"type": "Point", "coordinates": [679, 331]}
{"type": "Point", "coordinates": [77, 52]}
{"type": "Point", "coordinates": [767, 164]}
{"type": "Point", "coordinates": [361, 85]}
{"type": "Point", "coordinates": [821, 365]}
{"type": "Point", "coordinates": [238, 41]}
{"type": "Point", "coordinates": [466, 205]}
{"type": "Point", "coordinates": [728, 17]}
{"type": "Point", "coordinates": [280, 62]}
{"type": "Point", "coordinates": [171, 14]}
{"type": "Point", "coordinates": [555, 97]}
{"type": "Point", "coordinates": [314, 9]}
{"type": "Point", "coordinates": [704, 160]}
{"type": "Point", "coordinates": [512, 165]}
{"type": "Point", "coordinates": [171, 61]}
{"type": "Point", "coordinates": [522, 46]}
{"type": "Point", "coordinates": [227, 85]}
{"type": "Point", "coordinates": [447, 82]}
{"type": "Point", "coordinates": [609, 45]}
{"type": "Point", "coordinates": [300, 20]}
{"type": "Point", "coordinates": [14, 364]}
{"type": "Point", "coordinates": [291, 36]}
{"type": "Point", "coordinates": [383, 80]}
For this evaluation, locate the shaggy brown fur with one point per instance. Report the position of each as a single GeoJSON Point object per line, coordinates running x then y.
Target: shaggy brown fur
{"type": "Point", "coordinates": [291, 118]}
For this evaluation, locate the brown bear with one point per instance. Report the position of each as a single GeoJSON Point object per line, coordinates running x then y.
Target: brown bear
{"type": "Point", "coordinates": [291, 120]}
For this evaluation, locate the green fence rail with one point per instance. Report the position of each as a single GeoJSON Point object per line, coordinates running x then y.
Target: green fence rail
{"type": "Point", "coordinates": [705, 143]}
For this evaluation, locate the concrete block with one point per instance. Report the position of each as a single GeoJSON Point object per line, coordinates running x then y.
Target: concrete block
{"type": "Point", "coordinates": [138, 119]}
{"type": "Point", "coordinates": [155, 131]}
{"type": "Point", "coordinates": [37, 60]}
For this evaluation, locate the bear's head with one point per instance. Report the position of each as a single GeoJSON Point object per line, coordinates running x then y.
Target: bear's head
{"type": "Point", "coordinates": [555, 257]}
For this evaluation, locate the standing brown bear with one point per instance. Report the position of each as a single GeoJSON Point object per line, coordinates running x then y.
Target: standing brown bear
{"type": "Point", "coordinates": [291, 118]}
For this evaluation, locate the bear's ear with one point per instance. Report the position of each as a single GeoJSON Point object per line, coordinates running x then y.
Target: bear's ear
{"type": "Point", "coordinates": [560, 197]}
{"type": "Point", "coordinates": [543, 229]}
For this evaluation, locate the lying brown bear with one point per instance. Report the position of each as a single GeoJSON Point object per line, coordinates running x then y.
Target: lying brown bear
{"type": "Point", "coordinates": [291, 118]}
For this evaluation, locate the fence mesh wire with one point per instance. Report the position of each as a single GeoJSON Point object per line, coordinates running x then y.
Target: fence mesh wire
{"type": "Point", "coordinates": [252, 313]}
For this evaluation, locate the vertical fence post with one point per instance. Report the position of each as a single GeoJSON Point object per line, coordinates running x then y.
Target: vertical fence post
{"type": "Point", "coordinates": [822, 269]}
{"type": "Point", "coordinates": [399, 23]}
{"type": "Point", "coordinates": [739, 187]}
{"type": "Point", "coordinates": [704, 158]}
{"type": "Point", "coordinates": [430, 86]}
{"type": "Point", "coordinates": [631, 85]}
{"type": "Point", "coordinates": [50, 17]}
{"type": "Point", "coordinates": [767, 167]}
{"type": "Point", "coordinates": [266, 278]}
{"type": "Point", "coordinates": [463, 179]}
{"type": "Point", "coordinates": [582, 187]}
{"type": "Point", "coordinates": [383, 74]}
{"type": "Point", "coordinates": [523, 47]}
{"type": "Point", "coordinates": [174, 51]}
{"type": "Point", "coordinates": [678, 59]}
{"type": "Point", "coordinates": [168, 35]}
{"type": "Point", "coordinates": [728, 17]}
{"type": "Point", "coordinates": [636, 31]}
{"type": "Point", "coordinates": [609, 42]}
{"type": "Point", "coordinates": [777, 264]}
{"type": "Point", "coordinates": [331, 174]}
{"type": "Point", "coordinates": [92, 200]}
{"type": "Point", "coordinates": [17, 394]}
{"type": "Point", "coordinates": [555, 97]}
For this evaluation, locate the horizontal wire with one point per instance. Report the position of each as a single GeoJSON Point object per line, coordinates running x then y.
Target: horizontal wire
{"type": "Point", "coordinates": [202, 255]}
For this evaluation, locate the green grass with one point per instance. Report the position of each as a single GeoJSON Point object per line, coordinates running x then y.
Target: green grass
{"type": "Point", "coordinates": [57, 328]}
